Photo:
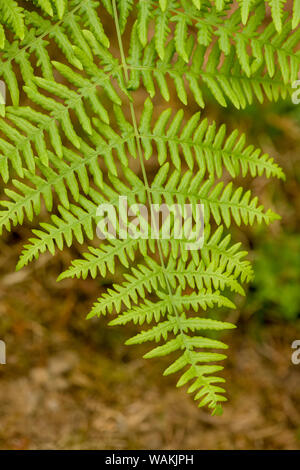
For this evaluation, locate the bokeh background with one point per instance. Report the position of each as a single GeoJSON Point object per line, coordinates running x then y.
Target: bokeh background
{"type": "Point", "coordinates": [70, 383]}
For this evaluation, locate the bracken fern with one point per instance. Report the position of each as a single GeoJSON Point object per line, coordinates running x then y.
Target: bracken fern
{"type": "Point", "coordinates": [80, 142]}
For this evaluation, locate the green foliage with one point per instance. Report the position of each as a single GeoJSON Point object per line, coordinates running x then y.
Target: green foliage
{"type": "Point", "coordinates": [75, 143]}
{"type": "Point", "coordinates": [276, 282]}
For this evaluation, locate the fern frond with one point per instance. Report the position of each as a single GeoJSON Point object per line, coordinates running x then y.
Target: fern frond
{"type": "Point", "coordinates": [190, 359]}
{"type": "Point", "coordinates": [171, 325]}
{"type": "Point", "coordinates": [215, 251]}
{"type": "Point", "coordinates": [78, 218]}
{"type": "Point", "coordinates": [2, 37]}
{"type": "Point", "coordinates": [103, 259]}
{"type": "Point", "coordinates": [73, 223]}
{"type": "Point", "coordinates": [125, 7]}
{"type": "Point", "coordinates": [72, 176]}
{"type": "Point", "coordinates": [66, 31]}
{"type": "Point", "coordinates": [223, 203]}
{"type": "Point", "coordinates": [225, 79]}
{"type": "Point", "coordinates": [211, 24]}
{"type": "Point", "coordinates": [277, 12]}
{"type": "Point", "coordinates": [204, 144]}
{"type": "Point", "coordinates": [59, 112]}
{"type": "Point", "coordinates": [78, 143]}
{"type": "Point", "coordinates": [146, 278]}
{"type": "Point", "coordinates": [44, 5]}
{"type": "Point", "coordinates": [296, 14]}
{"type": "Point", "coordinates": [245, 6]}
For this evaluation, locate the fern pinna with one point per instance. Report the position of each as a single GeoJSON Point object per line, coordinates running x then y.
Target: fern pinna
{"type": "Point", "coordinates": [79, 141]}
